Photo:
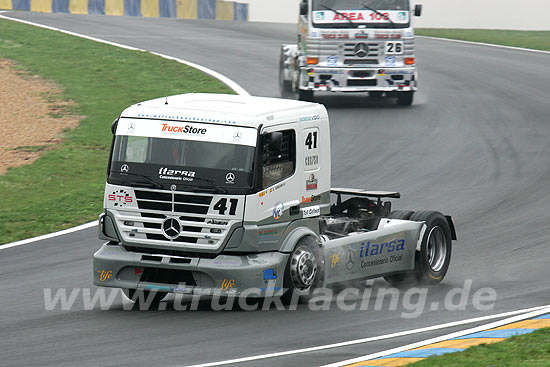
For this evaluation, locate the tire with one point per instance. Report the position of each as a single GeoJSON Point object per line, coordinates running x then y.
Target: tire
{"type": "Point", "coordinates": [401, 214]}
{"type": "Point", "coordinates": [433, 260]}
{"type": "Point", "coordinates": [405, 98]}
{"type": "Point", "coordinates": [305, 95]}
{"type": "Point", "coordinates": [304, 270]}
{"type": "Point", "coordinates": [134, 295]}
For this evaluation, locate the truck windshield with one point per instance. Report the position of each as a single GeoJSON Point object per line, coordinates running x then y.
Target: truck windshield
{"type": "Point", "coordinates": [191, 165]}
{"type": "Point", "coordinates": [361, 12]}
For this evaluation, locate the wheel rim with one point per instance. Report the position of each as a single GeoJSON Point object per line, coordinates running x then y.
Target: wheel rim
{"type": "Point", "coordinates": [436, 248]}
{"type": "Point", "coordinates": [303, 268]}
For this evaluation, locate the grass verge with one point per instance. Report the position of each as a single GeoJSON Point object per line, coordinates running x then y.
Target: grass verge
{"type": "Point", "coordinates": [530, 350]}
{"type": "Point", "coordinates": [537, 40]}
{"type": "Point", "coordinates": [64, 187]}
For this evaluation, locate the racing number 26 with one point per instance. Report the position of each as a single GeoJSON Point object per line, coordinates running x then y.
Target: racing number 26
{"type": "Point", "coordinates": [221, 206]}
{"type": "Point", "coordinates": [394, 48]}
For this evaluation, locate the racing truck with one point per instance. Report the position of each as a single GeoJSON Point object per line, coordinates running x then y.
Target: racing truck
{"type": "Point", "coordinates": [231, 195]}
{"type": "Point", "coordinates": [352, 46]}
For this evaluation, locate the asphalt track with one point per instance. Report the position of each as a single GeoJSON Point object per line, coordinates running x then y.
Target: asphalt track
{"type": "Point", "coordinates": [476, 145]}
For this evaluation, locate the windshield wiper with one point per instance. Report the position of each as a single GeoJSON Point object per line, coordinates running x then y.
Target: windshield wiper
{"type": "Point", "coordinates": [213, 184]}
{"type": "Point", "coordinates": [154, 185]}
{"type": "Point", "coordinates": [340, 14]}
{"type": "Point", "coordinates": [378, 12]}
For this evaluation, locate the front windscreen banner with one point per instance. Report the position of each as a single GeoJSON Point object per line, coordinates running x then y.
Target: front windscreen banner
{"type": "Point", "coordinates": [192, 156]}
{"type": "Point", "coordinates": [360, 12]}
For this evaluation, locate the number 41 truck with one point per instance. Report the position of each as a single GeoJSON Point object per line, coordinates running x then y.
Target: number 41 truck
{"type": "Point", "coordinates": [231, 195]}
{"type": "Point", "coordinates": [352, 46]}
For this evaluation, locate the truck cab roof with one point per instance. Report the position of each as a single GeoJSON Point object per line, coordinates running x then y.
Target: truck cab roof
{"type": "Point", "coordinates": [226, 109]}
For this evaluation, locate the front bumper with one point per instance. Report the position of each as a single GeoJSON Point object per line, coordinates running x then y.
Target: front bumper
{"type": "Point", "coordinates": [252, 275]}
{"type": "Point", "coordinates": [333, 79]}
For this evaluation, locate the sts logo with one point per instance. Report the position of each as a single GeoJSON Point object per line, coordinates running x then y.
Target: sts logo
{"type": "Point", "coordinates": [120, 198]}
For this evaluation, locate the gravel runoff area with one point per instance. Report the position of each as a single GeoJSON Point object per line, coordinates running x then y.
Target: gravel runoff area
{"type": "Point", "coordinates": [32, 116]}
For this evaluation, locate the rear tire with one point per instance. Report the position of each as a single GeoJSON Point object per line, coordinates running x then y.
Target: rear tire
{"type": "Point", "coordinates": [405, 98]}
{"type": "Point", "coordinates": [434, 257]}
{"type": "Point", "coordinates": [304, 270]}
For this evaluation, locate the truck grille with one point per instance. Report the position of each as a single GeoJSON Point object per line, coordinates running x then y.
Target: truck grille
{"type": "Point", "coordinates": [143, 226]}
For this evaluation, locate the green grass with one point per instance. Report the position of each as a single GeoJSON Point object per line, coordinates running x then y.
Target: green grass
{"type": "Point", "coordinates": [64, 187]}
{"type": "Point", "coordinates": [538, 40]}
{"type": "Point", "coordinates": [530, 350]}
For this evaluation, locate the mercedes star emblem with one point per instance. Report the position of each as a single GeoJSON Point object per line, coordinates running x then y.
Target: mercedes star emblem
{"type": "Point", "coordinates": [230, 177]}
{"type": "Point", "coordinates": [171, 228]}
{"type": "Point", "coordinates": [349, 260]}
{"type": "Point", "coordinates": [361, 49]}
{"type": "Point", "coordinates": [173, 187]}
{"type": "Point", "coordinates": [237, 136]}
{"type": "Point", "coordinates": [124, 168]}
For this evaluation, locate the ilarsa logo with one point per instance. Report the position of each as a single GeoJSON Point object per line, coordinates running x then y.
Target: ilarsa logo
{"type": "Point", "coordinates": [120, 198]}
{"type": "Point", "coordinates": [176, 174]}
{"type": "Point", "coordinates": [311, 184]}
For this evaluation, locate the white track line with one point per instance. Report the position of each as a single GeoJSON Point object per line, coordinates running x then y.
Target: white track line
{"type": "Point", "coordinates": [382, 337]}
{"type": "Point", "coordinates": [222, 78]}
{"type": "Point", "coordinates": [457, 334]}
{"type": "Point", "coordinates": [487, 44]}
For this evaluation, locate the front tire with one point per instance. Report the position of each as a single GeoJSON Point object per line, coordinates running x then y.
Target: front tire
{"type": "Point", "coordinates": [305, 95]}
{"type": "Point", "coordinates": [433, 260]}
{"type": "Point", "coordinates": [304, 271]}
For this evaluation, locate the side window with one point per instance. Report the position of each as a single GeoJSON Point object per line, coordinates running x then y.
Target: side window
{"type": "Point", "coordinates": [279, 156]}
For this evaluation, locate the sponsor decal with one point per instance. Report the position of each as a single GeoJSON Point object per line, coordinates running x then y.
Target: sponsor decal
{"type": "Point", "coordinates": [237, 136]}
{"type": "Point", "coordinates": [138, 270]}
{"type": "Point", "coordinates": [270, 274]}
{"type": "Point", "coordinates": [311, 211]}
{"type": "Point", "coordinates": [230, 178]}
{"type": "Point", "coordinates": [311, 184]}
{"type": "Point", "coordinates": [386, 36]}
{"type": "Point", "coordinates": [351, 16]}
{"type": "Point", "coordinates": [332, 60]}
{"type": "Point", "coordinates": [187, 129]}
{"type": "Point", "coordinates": [268, 232]}
{"type": "Point", "coordinates": [310, 118]}
{"type": "Point", "coordinates": [320, 15]}
{"type": "Point", "coordinates": [311, 199]}
{"type": "Point", "coordinates": [361, 35]}
{"type": "Point", "coordinates": [394, 247]}
{"type": "Point", "coordinates": [327, 71]}
{"type": "Point", "coordinates": [399, 72]}
{"type": "Point", "coordinates": [218, 222]}
{"type": "Point", "coordinates": [262, 194]}
{"type": "Point", "coordinates": [124, 168]}
{"type": "Point", "coordinates": [105, 275]}
{"type": "Point", "coordinates": [335, 36]}
{"type": "Point", "coordinates": [120, 198]}
{"type": "Point", "coordinates": [381, 72]}
{"type": "Point", "coordinates": [312, 160]}
{"type": "Point", "coordinates": [131, 128]}
{"type": "Point", "coordinates": [173, 187]}
{"type": "Point", "coordinates": [175, 174]}
{"type": "Point", "coordinates": [402, 15]}
{"type": "Point", "coordinates": [373, 249]}
{"type": "Point", "coordinates": [278, 210]}
{"type": "Point", "coordinates": [179, 290]}
{"type": "Point", "coordinates": [227, 284]}
{"type": "Point", "coordinates": [334, 260]}
{"type": "Point", "coordinates": [390, 61]}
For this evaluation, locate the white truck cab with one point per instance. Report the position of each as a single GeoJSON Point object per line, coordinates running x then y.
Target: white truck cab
{"type": "Point", "coordinates": [352, 46]}
{"type": "Point", "coordinates": [223, 193]}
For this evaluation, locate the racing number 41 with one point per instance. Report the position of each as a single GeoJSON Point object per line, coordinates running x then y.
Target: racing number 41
{"type": "Point", "coordinates": [221, 206]}
{"type": "Point", "coordinates": [311, 140]}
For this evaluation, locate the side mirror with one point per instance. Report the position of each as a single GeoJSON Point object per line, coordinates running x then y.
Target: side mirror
{"type": "Point", "coordinates": [303, 8]}
{"type": "Point", "coordinates": [114, 126]}
{"type": "Point", "coordinates": [276, 141]}
{"type": "Point", "coordinates": [417, 10]}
